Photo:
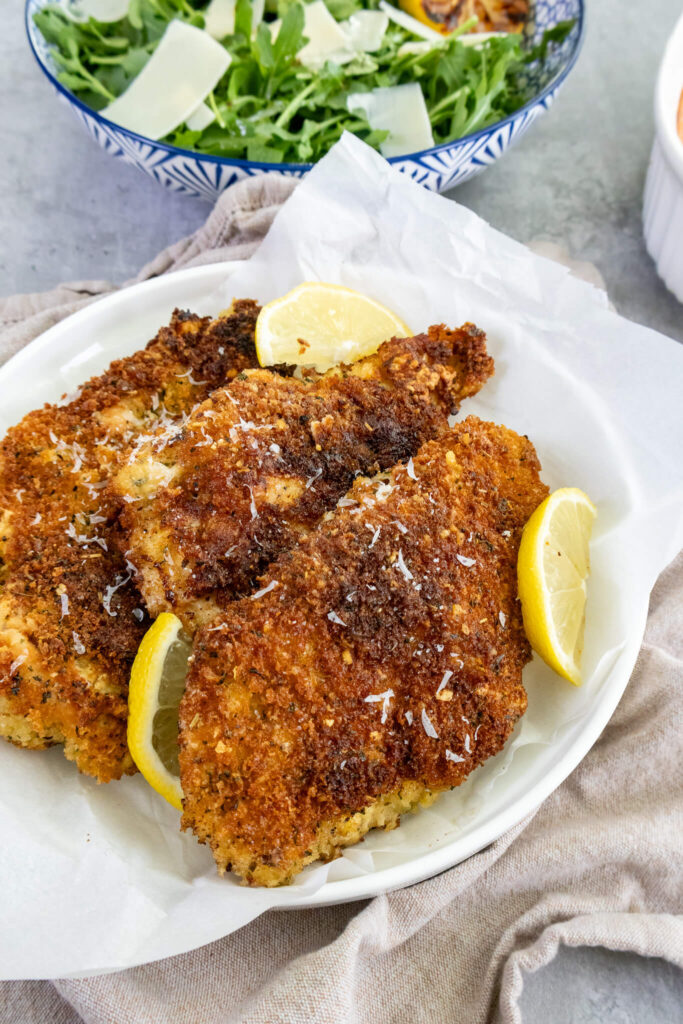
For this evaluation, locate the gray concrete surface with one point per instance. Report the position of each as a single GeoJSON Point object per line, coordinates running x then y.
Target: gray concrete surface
{"type": "Point", "coordinates": [69, 211]}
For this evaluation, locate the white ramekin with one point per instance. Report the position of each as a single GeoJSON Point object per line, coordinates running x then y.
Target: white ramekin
{"type": "Point", "coordinates": [663, 200]}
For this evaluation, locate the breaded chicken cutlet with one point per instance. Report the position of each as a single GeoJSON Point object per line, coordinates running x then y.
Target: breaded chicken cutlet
{"type": "Point", "coordinates": [207, 507]}
{"type": "Point", "coordinates": [379, 663]}
{"type": "Point", "coordinates": [70, 617]}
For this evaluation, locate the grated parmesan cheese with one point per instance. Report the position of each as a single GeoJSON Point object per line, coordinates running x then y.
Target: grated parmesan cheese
{"type": "Point", "coordinates": [312, 479]}
{"type": "Point", "coordinates": [385, 698]}
{"type": "Point", "coordinates": [111, 590]}
{"type": "Point", "coordinates": [402, 567]}
{"type": "Point", "coordinates": [264, 590]}
{"type": "Point", "coordinates": [428, 727]}
{"type": "Point", "coordinates": [383, 492]}
{"type": "Point", "coordinates": [446, 676]}
{"type": "Point", "coordinates": [450, 756]}
{"type": "Point", "coordinates": [17, 662]}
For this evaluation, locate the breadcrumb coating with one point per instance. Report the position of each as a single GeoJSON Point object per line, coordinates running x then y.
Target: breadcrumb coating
{"type": "Point", "coordinates": [71, 618]}
{"type": "Point", "coordinates": [209, 505]}
{"type": "Point", "coordinates": [378, 664]}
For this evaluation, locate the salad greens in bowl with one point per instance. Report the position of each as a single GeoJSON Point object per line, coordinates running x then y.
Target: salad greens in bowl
{"type": "Point", "coordinates": [200, 94]}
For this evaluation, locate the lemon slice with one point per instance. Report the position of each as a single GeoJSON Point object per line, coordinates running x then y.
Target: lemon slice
{"type": "Point", "coordinates": [552, 568]}
{"type": "Point", "coordinates": [157, 683]}
{"type": "Point", "coordinates": [321, 325]}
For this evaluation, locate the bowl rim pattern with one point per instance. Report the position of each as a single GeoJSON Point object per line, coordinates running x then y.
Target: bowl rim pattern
{"type": "Point", "coordinates": [548, 91]}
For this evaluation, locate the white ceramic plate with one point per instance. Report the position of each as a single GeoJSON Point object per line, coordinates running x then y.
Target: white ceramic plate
{"type": "Point", "coordinates": [125, 836]}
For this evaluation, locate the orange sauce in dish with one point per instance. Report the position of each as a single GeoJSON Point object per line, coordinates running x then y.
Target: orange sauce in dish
{"type": "Point", "coordinates": [679, 118]}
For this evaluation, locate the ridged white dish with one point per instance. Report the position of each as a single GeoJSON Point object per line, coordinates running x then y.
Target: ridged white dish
{"type": "Point", "coordinates": [663, 201]}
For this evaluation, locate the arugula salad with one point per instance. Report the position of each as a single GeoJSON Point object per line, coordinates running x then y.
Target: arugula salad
{"type": "Point", "coordinates": [279, 81]}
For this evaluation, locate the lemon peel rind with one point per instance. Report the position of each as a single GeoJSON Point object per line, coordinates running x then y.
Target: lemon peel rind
{"type": "Point", "coordinates": [538, 621]}
{"type": "Point", "coordinates": [149, 661]}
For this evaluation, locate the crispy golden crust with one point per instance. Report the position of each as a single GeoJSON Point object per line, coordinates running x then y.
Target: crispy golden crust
{"type": "Point", "coordinates": [70, 617]}
{"type": "Point", "coordinates": [379, 663]}
{"type": "Point", "coordinates": [209, 506]}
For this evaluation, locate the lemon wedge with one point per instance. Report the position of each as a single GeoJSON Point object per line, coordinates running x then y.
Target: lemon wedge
{"type": "Point", "coordinates": [320, 325]}
{"type": "Point", "coordinates": [552, 569]}
{"type": "Point", "coordinates": [157, 683]}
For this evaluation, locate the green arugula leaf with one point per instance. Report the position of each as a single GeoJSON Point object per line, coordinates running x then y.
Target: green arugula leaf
{"type": "Point", "coordinates": [342, 9]}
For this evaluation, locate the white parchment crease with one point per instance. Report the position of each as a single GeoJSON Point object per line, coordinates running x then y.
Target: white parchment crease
{"type": "Point", "coordinates": [104, 868]}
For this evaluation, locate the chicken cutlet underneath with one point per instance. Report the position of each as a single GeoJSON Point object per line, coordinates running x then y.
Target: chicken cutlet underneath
{"type": "Point", "coordinates": [70, 617]}
{"type": "Point", "coordinates": [379, 663]}
{"type": "Point", "coordinates": [207, 507]}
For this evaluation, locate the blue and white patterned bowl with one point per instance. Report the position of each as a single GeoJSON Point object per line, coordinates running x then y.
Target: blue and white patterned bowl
{"type": "Point", "coordinates": [438, 168]}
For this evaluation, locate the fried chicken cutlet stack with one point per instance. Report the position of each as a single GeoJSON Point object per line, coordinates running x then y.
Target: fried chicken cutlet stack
{"type": "Point", "coordinates": [378, 664]}
{"type": "Point", "coordinates": [70, 617]}
{"type": "Point", "coordinates": [206, 508]}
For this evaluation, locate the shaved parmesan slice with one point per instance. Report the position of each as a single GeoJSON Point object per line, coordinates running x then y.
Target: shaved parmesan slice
{"type": "Point", "coordinates": [186, 65]}
{"type": "Point", "coordinates": [219, 18]}
{"type": "Point", "coordinates": [100, 10]}
{"type": "Point", "coordinates": [401, 110]}
{"type": "Point", "coordinates": [409, 23]}
{"type": "Point", "coordinates": [200, 118]}
{"type": "Point", "coordinates": [365, 30]}
{"type": "Point", "coordinates": [326, 39]}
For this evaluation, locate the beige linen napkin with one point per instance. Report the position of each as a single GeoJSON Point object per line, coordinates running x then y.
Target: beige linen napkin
{"type": "Point", "coordinates": [600, 864]}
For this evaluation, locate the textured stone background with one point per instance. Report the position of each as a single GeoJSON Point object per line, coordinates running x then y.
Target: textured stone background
{"type": "Point", "coordinates": [69, 211]}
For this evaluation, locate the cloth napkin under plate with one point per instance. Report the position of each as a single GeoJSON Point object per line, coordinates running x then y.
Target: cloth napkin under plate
{"type": "Point", "coordinates": [599, 864]}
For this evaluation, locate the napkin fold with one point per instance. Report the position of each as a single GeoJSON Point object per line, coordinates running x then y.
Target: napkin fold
{"type": "Point", "coordinates": [599, 864]}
